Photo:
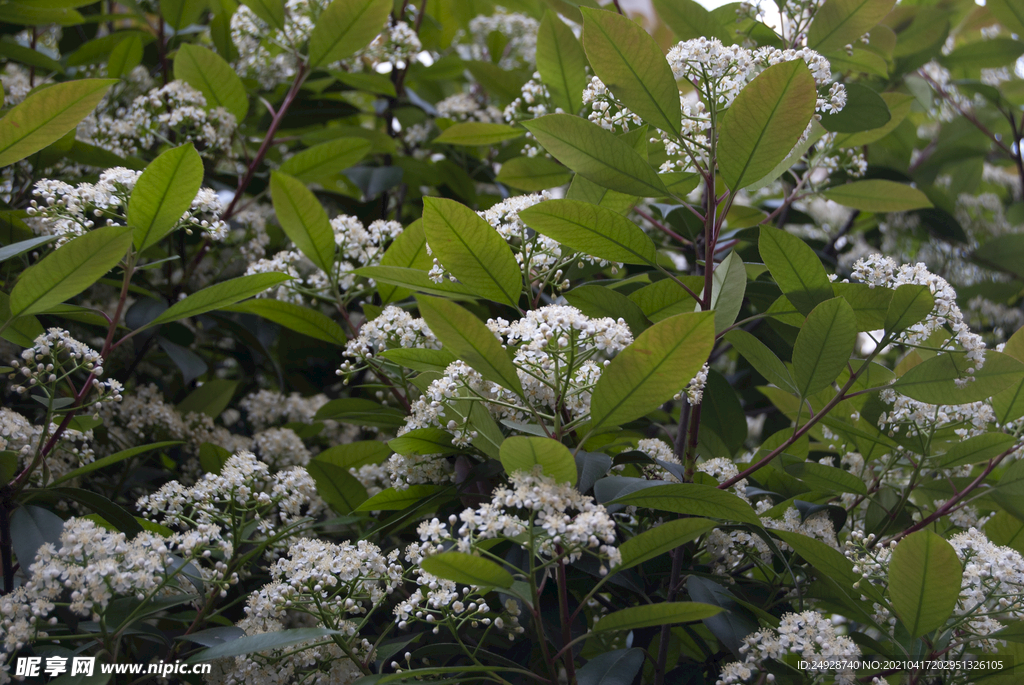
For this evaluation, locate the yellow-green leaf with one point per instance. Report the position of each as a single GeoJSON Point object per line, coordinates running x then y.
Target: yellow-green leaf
{"type": "Point", "coordinates": [521, 453]}
{"type": "Point", "coordinates": [303, 219]}
{"type": "Point", "coordinates": [164, 191]}
{"type": "Point", "coordinates": [924, 581]}
{"type": "Point", "coordinates": [207, 72]}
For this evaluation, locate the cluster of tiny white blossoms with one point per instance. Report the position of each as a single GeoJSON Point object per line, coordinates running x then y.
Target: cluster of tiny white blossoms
{"type": "Point", "coordinates": [174, 112]}
{"type": "Point", "coordinates": [559, 355]}
{"type": "Point", "coordinates": [68, 211]}
{"type": "Point", "coordinates": [809, 635]}
{"type": "Point", "coordinates": [694, 390]}
{"type": "Point", "coordinates": [730, 549]}
{"type": "Point", "coordinates": [242, 493]}
{"type": "Point", "coordinates": [879, 270]}
{"type": "Point", "coordinates": [519, 32]}
{"type": "Point", "coordinates": [460, 108]}
{"type": "Point", "coordinates": [92, 566]}
{"type": "Point", "coordinates": [53, 358]}
{"type": "Point", "coordinates": [393, 328]}
{"type": "Point", "coordinates": [952, 102]}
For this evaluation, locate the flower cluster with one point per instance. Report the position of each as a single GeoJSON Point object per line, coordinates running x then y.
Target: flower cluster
{"type": "Point", "coordinates": [459, 108]}
{"type": "Point", "coordinates": [55, 356]}
{"type": "Point", "coordinates": [518, 38]}
{"type": "Point", "coordinates": [68, 211]}
{"type": "Point", "coordinates": [394, 328]}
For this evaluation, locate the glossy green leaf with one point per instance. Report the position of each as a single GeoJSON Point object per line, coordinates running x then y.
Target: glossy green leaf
{"type": "Point", "coordinates": [976, 450]}
{"type": "Point", "coordinates": [408, 250]}
{"type": "Point", "coordinates": [69, 269]}
{"type": "Point", "coordinates": [764, 122]}
{"type": "Point", "coordinates": [661, 540]}
{"type": "Point", "coordinates": [164, 191]}
{"type": "Point", "coordinates": [466, 336]}
{"type": "Point", "coordinates": [693, 500]}
{"type": "Point", "coordinates": [596, 154]}
{"type": "Point", "coordinates": [910, 303]}
{"type": "Point", "coordinates": [823, 346]}
{"type": "Point", "coordinates": [924, 581]}
{"type": "Point", "coordinates": [826, 560]}
{"type": "Point", "coordinates": [361, 412]}
{"type": "Point", "coordinates": [303, 219]}
{"type": "Point", "coordinates": [795, 267]}
{"type": "Point", "coordinates": [533, 173]}
{"type": "Point", "coordinates": [477, 133]}
{"type": "Point", "coordinates": [471, 250]}
{"type": "Point", "coordinates": [397, 500]}
{"type": "Point", "coordinates": [345, 28]}
{"type": "Point", "coordinates": [218, 296]}
{"type": "Point", "coordinates": [865, 110]}
{"type": "Point", "coordinates": [665, 298]}
{"type": "Point", "coordinates": [664, 613]}
{"type": "Point", "coordinates": [762, 359]}
{"type": "Point", "coordinates": [23, 246]}
{"type": "Point", "coordinates": [944, 378]}
{"type": "Point", "coordinates": [47, 115]}
{"type": "Point", "coordinates": [416, 280]}
{"type": "Point", "coordinates": [597, 301]}
{"type": "Point", "coordinates": [878, 195]}
{"type": "Point", "coordinates": [591, 230]}
{"type": "Point", "coordinates": [207, 72]}
{"type": "Point", "coordinates": [838, 23]}
{"type": "Point", "coordinates": [649, 372]}
{"type": "Point", "coordinates": [295, 317]}
{"type": "Point", "coordinates": [520, 453]}
{"type": "Point", "coordinates": [423, 441]}
{"type": "Point", "coordinates": [626, 58]}
{"type": "Point", "coordinates": [335, 484]}
{"type": "Point", "coordinates": [23, 330]}
{"type": "Point", "coordinates": [561, 63]}
{"type": "Point", "coordinates": [356, 454]}
{"type": "Point", "coordinates": [467, 569]}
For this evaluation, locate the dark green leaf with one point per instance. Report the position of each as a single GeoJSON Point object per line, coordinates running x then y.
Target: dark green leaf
{"type": "Point", "coordinates": [218, 296]}
{"type": "Point", "coordinates": [665, 613]}
{"type": "Point", "coordinates": [693, 500]}
{"type": "Point", "coordinates": [294, 317]}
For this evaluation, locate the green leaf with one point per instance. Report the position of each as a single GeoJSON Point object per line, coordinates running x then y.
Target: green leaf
{"type": "Point", "coordinates": [477, 133]}
{"type": "Point", "coordinates": [596, 154]}
{"type": "Point", "coordinates": [598, 301]}
{"type": "Point", "coordinates": [687, 19]}
{"type": "Point", "coordinates": [665, 298]}
{"type": "Point", "coordinates": [467, 569]}
{"type": "Point", "coordinates": [47, 115]}
{"type": "Point", "coordinates": [471, 250]}
{"type": "Point", "coordinates": [762, 359]}
{"type": "Point", "coordinates": [397, 500]}
{"type": "Point", "coordinates": [656, 366]}
{"type": "Point", "coordinates": [865, 110]}
{"type": "Point", "coordinates": [591, 230]}
{"type": "Point", "coordinates": [419, 359]}
{"type": "Point", "coordinates": [356, 454]}
{"type": "Point", "coordinates": [164, 192]}
{"type": "Point", "coordinates": [839, 23]}
{"type": "Point", "coordinates": [661, 540]}
{"type": "Point", "coordinates": [664, 613]}
{"type": "Point", "coordinates": [828, 562]}
{"type": "Point", "coordinates": [899, 107]}
{"type": "Point", "coordinates": [125, 56]}
{"type": "Point", "coordinates": [924, 581]}
{"type": "Point", "coordinates": [588, 191]}
{"type": "Point", "coordinates": [824, 345]}
{"type": "Point", "coordinates": [423, 441]}
{"type": "Point", "coordinates": [523, 453]}
{"type": "Point", "coordinates": [633, 67]}
{"type": "Point", "coordinates": [729, 283]}
{"type": "Point", "coordinates": [409, 251]}
{"type": "Point", "coordinates": [345, 28]}
{"type": "Point", "coordinates": [795, 267]}
{"type": "Point", "coordinates": [263, 642]}
{"type": "Point", "coordinates": [975, 450]}
{"type": "Point", "coordinates": [212, 457]}
{"type": "Point", "coordinates": [870, 304]}
{"type": "Point", "coordinates": [33, 15]}
{"type": "Point", "coordinates": [984, 54]}
{"type": "Point", "coordinates": [561, 63]}
{"type": "Point", "coordinates": [935, 380]}
{"type": "Point", "coordinates": [303, 219]}
{"type": "Point", "coordinates": [207, 72]}
{"type": "Point", "coordinates": [413, 279]}
{"type": "Point", "coordinates": [295, 317]}
{"type": "Point", "coordinates": [326, 159]}
{"type": "Point", "coordinates": [693, 500]}
{"type": "Point", "coordinates": [69, 269]}
{"type": "Point", "coordinates": [270, 11]}
{"type": "Point", "coordinates": [114, 513]}
{"type": "Point", "coordinates": [764, 122]}
{"type": "Point", "coordinates": [464, 335]}
{"type": "Point", "coordinates": [910, 303]}
{"type": "Point", "coordinates": [23, 246]}
{"type": "Point", "coordinates": [22, 331]}
{"type": "Point", "coordinates": [33, 58]}
{"type": "Point", "coordinates": [533, 173]}
{"type": "Point", "coordinates": [877, 195]}
{"type": "Point", "coordinates": [336, 485]}
{"type": "Point", "coordinates": [218, 296]}
{"type": "Point", "coordinates": [110, 460]}
{"type": "Point", "coordinates": [827, 478]}
{"type": "Point", "coordinates": [1009, 13]}
{"type": "Point", "coordinates": [361, 412]}
{"type": "Point", "coordinates": [210, 398]}
{"type": "Point", "coordinates": [181, 13]}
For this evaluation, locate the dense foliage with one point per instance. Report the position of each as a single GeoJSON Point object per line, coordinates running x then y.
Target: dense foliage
{"type": "Point", "coordinates": [361, 341]}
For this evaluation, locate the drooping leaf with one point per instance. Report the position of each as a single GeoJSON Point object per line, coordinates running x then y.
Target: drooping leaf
{"type": "Point", "coordinates": [561, 63]}
{"type": "Point", "coordinates": [824, 345]}
{"type": "Point", "coordinates": [477, 133]}
{"type": "Point", "coordinates": [344, 28]}
{"type": "Point", "coordinates": [69, 269]}
{"type": "Point", "coordinates": [520, 453]}
{"type": "Point", "coordinates": [664, 613]}
{"type": "Point", "coordinates": [878, 195]}
{"type": "Point", "coordinates": [218, 296]}
{"type": "Point", "coordinates": [295, 317]}
{"type": "Point", "coordinates": [946, 378]}
{"type": "Point", "coordinates": [838, 23]}
{"type": "Point", "coordinates": [47, 115]}
{"type": "Point", "coordinates": [661, 540]}
{"type": "Point", "coordinates": [467, 569]}
{"type": "Point", "coordinates": [596, 154]}
{"type": "Point", "coordinates": [464, 335]}
{"type": "Point", "coordinates": [795, 267]}
{"type": "Point", "coordinates": [164, 191]}
{"type": "Point", "coordinates": [656, 366]}
{"type": "Point", "coordinates": [591, 230]}
{"type": "Point", "coordinates": [693, 500]}
{"type": "Point", "coordinates": [31, 526]}
{"type": "Point", "coordinates": [471, 250]}
{"type": "Point", "coordinates": [303, 219]}
{"type": "Point", "coordinates": [924, 581]}
{"type": "Point", "coordinates": [824, 559]}
{"type": "Point", "coordinates": [631, 64]}
{"type": "Point", "coordinates": [207, 72]}
{"type": "Point", "coordinates": [764, 122]}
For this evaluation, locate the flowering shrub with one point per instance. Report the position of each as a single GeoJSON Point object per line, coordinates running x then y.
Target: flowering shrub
{"type": "Point", "coordinates": [378, 341]}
